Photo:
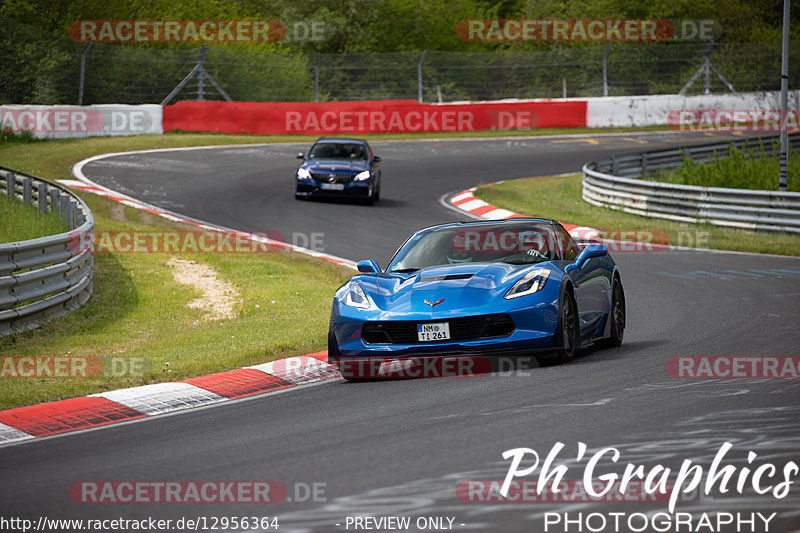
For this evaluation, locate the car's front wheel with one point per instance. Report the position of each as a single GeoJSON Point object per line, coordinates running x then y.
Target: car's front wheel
{"type": "Point", "coordinates": [616, 316]}
{"type": "Point", "coordinates": [567, 328]}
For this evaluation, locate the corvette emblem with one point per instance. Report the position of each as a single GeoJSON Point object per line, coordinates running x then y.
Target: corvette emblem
{"type": "Point", "coordinates": [437, 302]}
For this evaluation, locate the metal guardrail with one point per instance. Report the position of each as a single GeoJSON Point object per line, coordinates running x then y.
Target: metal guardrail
{"type": "Point", "coordinates": [617, 183]}
{"type": "Point", "coordinates": [47, 277]}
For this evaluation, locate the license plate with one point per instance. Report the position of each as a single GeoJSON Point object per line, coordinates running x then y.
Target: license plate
{"type": "Point", "coordinates": [332, 186]}
{"type": "Point", "coordinates": [437, 331]}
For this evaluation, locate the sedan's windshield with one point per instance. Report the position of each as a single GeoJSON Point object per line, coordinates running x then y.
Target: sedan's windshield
{"type": "Point", "coordinates": [332, 150]}
{"type": "Point", "coordinates": [517, 243]}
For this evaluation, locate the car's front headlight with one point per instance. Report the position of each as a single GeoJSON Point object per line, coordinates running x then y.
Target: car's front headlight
{"type": "Point", "coordinates": [361, 176]}
{"type": "Point", "coordinates": [303, 174]}
{"type": "Point", "coordinates": [356, 297]}
{"type": "Point", "coordinates": [530, 283]}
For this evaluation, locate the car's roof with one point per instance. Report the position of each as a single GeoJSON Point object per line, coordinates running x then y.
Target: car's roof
{"type": "Point", "coordinates": [491, 222]}
{"type": "Point", "coordinates": [339, 139]}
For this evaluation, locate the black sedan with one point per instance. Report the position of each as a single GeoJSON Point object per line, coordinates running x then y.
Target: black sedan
{"type": "Point", "coordinates": [335, 167]}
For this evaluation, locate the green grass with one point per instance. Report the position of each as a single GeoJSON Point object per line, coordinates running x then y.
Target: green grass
{"type": "Point", "coordinates": [20, 222]}
{"type": "Point", "coordinates": [139, 311]}
{"type": "Point", "coordinates": [750, 168]}
{"type": "Point", "coordinates": [559, 197]}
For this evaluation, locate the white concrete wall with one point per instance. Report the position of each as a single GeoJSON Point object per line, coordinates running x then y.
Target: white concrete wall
{"type": "Point", "coordinates": [626, 111]}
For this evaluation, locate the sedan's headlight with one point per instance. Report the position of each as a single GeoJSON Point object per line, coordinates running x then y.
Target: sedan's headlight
{"type": "Point", "coordinates": [531, 282]}
{"type": "Point", "coordinates": [361, 176]}
{"type": "Point", "coordinates": [303, 174]}
{"type": "Point", "coordinates": [355, 297]}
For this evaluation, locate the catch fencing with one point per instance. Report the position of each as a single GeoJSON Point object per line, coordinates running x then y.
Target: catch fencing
{"type": "Point", "coordinates": [47, 277]}
{"type": "Point", "coordinates": [41, 68]}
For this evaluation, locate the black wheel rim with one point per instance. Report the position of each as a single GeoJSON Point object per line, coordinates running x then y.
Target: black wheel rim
{"type": "Point", "coordinates": [568, 326]}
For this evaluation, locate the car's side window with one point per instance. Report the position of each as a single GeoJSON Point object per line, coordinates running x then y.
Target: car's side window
{"type": "Point", "coordinates": [571, 248]}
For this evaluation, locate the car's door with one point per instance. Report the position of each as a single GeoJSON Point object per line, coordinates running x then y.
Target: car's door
{"type": "Point", "coordinates": [590, 283]}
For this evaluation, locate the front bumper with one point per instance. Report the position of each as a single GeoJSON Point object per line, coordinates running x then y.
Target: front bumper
{"type": "Point", "coordinates": [352, 189]}
{"type": "Point", "coordinates": [534, 331]}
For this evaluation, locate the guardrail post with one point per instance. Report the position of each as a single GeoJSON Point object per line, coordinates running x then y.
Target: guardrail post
{"type": "Point", "coordinates": [63, 202]}
{"type": "Point", "coordinates": [614, 164]}
{"type": "Point", "coordinates": [10, 186]}
{"type": "Point", "coordinates": [41, 194]}
{"type": "Point", "coordinates": [27, 191]}
{"type": "Point", "coordinates": [644, 163]}
{"type": "Point", "coordinates": [71, 205]}
{"type": "Point", "coordinates": [54, 197]}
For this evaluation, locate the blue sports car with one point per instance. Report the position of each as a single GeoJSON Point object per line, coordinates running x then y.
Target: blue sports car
{"type": "Point", "coordinates": [517, 286]}
{"type": "Point", "coordinates": [335, 167]}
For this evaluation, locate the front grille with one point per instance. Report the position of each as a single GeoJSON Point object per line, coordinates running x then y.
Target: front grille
{"type": "Point", "coordinates": [461, 329]}
{"type": "Point", "coordinates": [324, 177]}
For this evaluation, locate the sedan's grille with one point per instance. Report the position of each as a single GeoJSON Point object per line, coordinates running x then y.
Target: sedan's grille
{"type": "Point", "coordinates": [461, 329]}
{"type": "Point", "coordinates": [325, 177]}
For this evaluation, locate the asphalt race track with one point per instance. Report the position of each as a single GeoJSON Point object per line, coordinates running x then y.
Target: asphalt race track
{"type": "Point", "coordinates": [400, 448]}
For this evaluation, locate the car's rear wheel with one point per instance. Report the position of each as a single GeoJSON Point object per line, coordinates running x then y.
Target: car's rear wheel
{"type": "Point", "coordinates": [567, 328]}
{"type": "Point", "coordinates": [617, 315]}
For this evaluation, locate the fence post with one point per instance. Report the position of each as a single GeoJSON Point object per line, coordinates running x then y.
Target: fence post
{"type": "Point", "coordinates": [201, 73]}
{"type": "Point", "coordinates": [605, 70]}
{"type": "Point", "coordinates": [83, 73]}
{"type": "Point", "coordinates": [419, 76]}
{"type": "Point", "coordinates": [316, 80]}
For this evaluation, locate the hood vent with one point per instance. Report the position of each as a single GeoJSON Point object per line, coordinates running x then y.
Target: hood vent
{"type": "Point", "coordinates": [446, 277]}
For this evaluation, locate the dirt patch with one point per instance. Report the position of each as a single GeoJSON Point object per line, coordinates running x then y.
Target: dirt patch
{"type": "Point", "coordinates": [118, 212]}
{"type": "Point", "coordinates": [218, 296]}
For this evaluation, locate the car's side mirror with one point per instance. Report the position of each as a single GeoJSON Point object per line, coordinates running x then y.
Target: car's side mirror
{"type": "Point", "coordinates": [300, 155]}
{"type": "Point", "coordinates": [593, 250]}
{"type": "Point", "coordinates": [376, 159]}
{"type": "Point", "coordinates": [368, 266]}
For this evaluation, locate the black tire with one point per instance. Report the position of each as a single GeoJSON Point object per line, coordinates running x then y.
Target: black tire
{"type": "Point", "coordinates": [567, 328]}
{"type": "Point", "coordinates": [617, 316]}
{"type": "Point", "coordinates": [378, 192]}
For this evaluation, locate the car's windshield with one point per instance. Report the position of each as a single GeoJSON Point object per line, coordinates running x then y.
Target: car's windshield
{"type": "Point", "coordinates": [523, 242]}
{"type": "Point", "coordinates": [335, 150]}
